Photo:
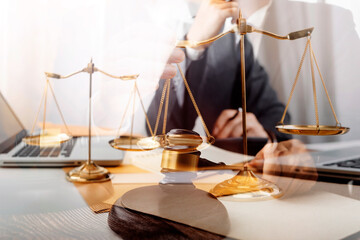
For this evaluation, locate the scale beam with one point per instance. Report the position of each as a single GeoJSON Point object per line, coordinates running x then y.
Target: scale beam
{"type": "Point", "coordinates": [244, 29]}
{"type": "Point", "coordinates": [291, 36]}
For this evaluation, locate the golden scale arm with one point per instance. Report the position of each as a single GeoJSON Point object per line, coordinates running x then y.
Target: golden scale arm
{"type": "Point", "coordinates": [247, 29]}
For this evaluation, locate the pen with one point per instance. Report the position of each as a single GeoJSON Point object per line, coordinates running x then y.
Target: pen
{"type": "Point", "coordinates": [239, 110]}
{"type": "Point", "coordinates": [216, 129]}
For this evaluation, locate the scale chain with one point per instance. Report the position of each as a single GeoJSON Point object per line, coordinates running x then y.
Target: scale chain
{"type": "Point", "coordinates": [323, 83]}
{"type": "Point", "coordinates": [44, 117]}
{"type": "Point", "coordinates": [166, 107]}
{"type": "Point", "coordinates": [58, 107]}
{"type": "Point", "coordinates": [143, 108]}
{"type": "Point", "coordinates": [132, 117]}
{"type": "Point", "coordinates": [38, 112]}
{"type": "Point", "coordinates": [314, 85]}
{"type": "Point", "coordinates": [193, 102]}
{"type": "Point", "coordinates": [295, 82]}
{"type": "Point", "coordinates": [124, 115]}
{"type": "Point", "coordinates": [161, 105]}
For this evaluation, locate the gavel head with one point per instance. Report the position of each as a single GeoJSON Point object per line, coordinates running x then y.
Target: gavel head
{"type": "Point", "coordinates": [181, 140]}
{"type": "Point", "coordinates": [180, 153]}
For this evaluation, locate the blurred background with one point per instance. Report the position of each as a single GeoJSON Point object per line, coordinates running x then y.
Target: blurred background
{"type": "Point", "coordinates": [136, 37]}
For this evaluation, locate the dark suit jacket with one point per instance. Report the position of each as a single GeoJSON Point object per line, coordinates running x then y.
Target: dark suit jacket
{"type": "Point", "coordinates": [215, 81]}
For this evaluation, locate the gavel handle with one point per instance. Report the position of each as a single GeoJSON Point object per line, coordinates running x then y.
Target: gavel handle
{"type": "Point", "coordinates": [206, 165]}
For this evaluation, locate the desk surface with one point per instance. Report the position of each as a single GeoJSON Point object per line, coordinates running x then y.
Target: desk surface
{"type": "Point", "coordinates": [40, 204]}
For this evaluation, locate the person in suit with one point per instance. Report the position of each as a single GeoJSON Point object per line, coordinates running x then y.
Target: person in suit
{"type": "Point", "coordinates": [214, 77]}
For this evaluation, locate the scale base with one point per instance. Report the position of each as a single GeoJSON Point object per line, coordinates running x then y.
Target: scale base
{"type": "Point", "coordinates": [88, 173]}
{"type": "Point", "coordinates": [246, 186]}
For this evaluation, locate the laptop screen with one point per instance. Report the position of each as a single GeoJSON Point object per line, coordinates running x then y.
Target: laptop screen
{"type": "Point", "coordinates": [10, 126]}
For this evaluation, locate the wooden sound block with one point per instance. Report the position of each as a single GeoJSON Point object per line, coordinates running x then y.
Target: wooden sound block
{"type": "Point", "coordinates": [130, 224]}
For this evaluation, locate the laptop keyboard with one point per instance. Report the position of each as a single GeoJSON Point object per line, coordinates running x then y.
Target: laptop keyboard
{"type": "Point", "coordinates": [64, 149]}
{"type": "Point", "coordinates": [353, 163]}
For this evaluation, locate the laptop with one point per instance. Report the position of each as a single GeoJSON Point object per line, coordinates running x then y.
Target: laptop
{"type": "Point", "coordinates": [339, 165]}
{"type": "Point", "coordinates": [15, 153]}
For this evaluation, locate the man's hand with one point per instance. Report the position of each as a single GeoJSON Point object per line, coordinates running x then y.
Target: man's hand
{"type": "Point", "coordinates": [272, 152]}
{"type": "Point", "coordinates": [210, 19]}
{"type": "Point", "coordinates": [229, 124]}
{"type": "Point", "coordinates": [177, 56]}
{"type": "Point", "coordinates": [287, 164]}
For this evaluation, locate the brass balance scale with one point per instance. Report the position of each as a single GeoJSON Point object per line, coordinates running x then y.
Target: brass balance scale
{"type": "Point", "coordinates": [246, 185]}
{"type": "Point", "coordinates": [89, 171]}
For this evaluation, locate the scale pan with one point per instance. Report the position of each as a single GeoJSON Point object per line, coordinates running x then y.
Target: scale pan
{"type": "Point", "coordinates": [179, 140]}
{"type": "Point", "coordinates": [314, 130]}
{"type": "Point", "coordinates": [45, 140]}
{"type": "Point", "coordinates": [131, 143]}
